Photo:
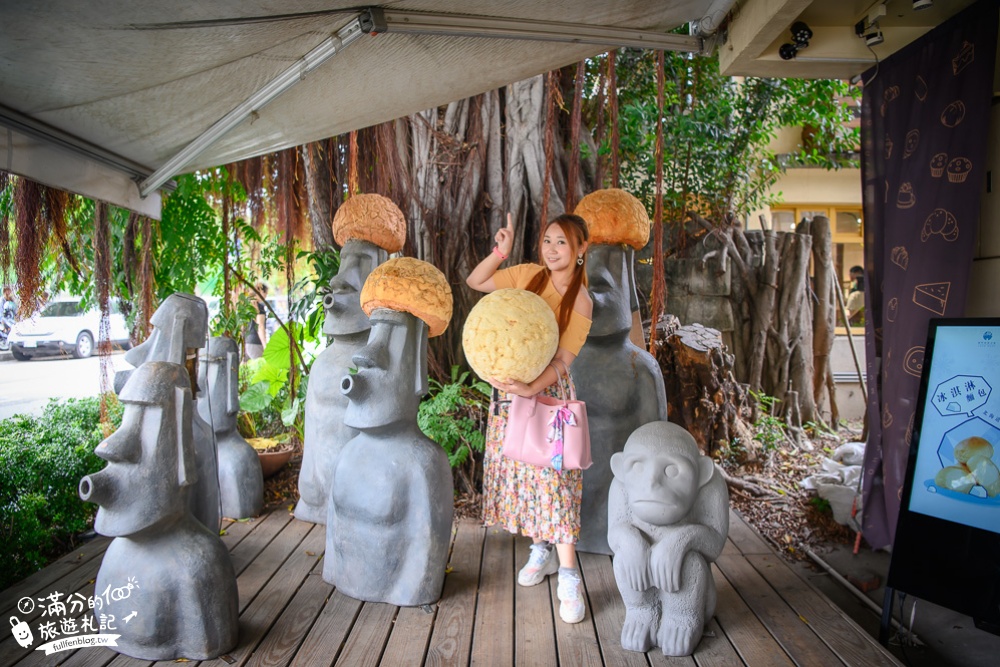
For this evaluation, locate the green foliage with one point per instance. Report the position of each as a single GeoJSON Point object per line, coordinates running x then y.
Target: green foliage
{"type": "Point", "coordinates": [822, 505]}
{"type": "Point", "coordinates": [717, 130]}
{"type": "Point", "coordinates": [42, 460]}
{"type": "Point", "coordinates": [454, 416]}
{"type": "Point", "coordinates": [769, 429]}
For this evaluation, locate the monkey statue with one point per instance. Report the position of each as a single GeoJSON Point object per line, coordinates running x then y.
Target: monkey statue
{"type": "Point", "coordinates": [668, 519]}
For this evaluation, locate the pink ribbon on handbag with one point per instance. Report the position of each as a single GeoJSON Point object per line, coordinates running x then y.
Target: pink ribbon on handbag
{"type": "Point", "coordinates": [560, 419]}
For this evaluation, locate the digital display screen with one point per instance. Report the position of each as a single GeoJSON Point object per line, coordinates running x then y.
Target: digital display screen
{"type": "Point", "coordinates": [956, 474]}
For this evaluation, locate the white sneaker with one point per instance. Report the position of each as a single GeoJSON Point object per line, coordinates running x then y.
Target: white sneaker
{"type": "Point", "coordinates": [542, 562]}
{"type": "Point", "coordinates": [570, 592]}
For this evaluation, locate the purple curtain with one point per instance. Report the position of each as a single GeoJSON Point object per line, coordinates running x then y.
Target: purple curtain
{"type": "Point", "coordinates": [925, 115]}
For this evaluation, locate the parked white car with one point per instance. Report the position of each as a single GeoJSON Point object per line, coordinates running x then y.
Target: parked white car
{"type": "Point", "coordinates": [64, 327]}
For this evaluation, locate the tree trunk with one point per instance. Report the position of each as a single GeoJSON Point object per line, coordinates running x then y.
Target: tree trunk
{"type": "Point", "coordinates": [824, 310]}
{"type": "Point", "coordinates": [702, 392]}
{"type": "Point", "coordinates": [319, 190]}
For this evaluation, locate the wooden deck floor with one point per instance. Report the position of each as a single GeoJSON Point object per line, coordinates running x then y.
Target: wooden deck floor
{"type": "Point", "coordinates": [767, 614]}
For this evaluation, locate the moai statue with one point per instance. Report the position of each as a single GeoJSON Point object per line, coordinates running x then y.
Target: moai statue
{"type": "Point", "coordinates": [668, 519]}
{"type": "Point", "coordinates": [369, 227]}
{"type": "Point", "coordinates": [166, 584]}
{"type": "Point", "coordinates": [621, 383]}
{"type": "Point", "coordinates": [390, 507]}
{"type": "Point", "coordinates": [180, 328]}
{"type": "Point", "coordinates": [241, 483]}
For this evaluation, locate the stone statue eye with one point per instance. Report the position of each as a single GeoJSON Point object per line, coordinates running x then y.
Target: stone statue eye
{"type": "Point", "coordinates": [671, 470]}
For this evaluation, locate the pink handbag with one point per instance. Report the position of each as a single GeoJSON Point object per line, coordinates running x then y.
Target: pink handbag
{"type": "Point", "coordinates": [548, 432]}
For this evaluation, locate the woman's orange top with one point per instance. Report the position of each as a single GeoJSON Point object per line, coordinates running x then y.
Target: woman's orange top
{"type": "Point", "coordinates": [520, 276]}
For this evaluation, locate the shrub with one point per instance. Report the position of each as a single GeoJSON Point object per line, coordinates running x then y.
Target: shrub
{"type": "Point", "coordinates": [41, 462]}
{"type": "Point", "coordinates": [454, 416]}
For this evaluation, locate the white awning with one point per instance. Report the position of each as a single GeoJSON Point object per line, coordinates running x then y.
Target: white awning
{"type": "Point", "coordinates": [99, 95]}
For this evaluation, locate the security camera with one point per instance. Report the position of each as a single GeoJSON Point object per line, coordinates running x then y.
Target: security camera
{"type": "Point", "coordinates": [922, 4]}
{"type": "Point", "coordinates": [874, 38]}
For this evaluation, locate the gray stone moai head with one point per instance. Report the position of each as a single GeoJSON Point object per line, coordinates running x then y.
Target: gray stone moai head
{"type": "Point", "coordinates": [668, 518]}
{"type": "Point", "coordinates": [342, 304]}
{"type": "Point", "coordinates": [150, 457]}
{"type": "Point", "coordinates": [218, 377]}
{"type": "Point", "coordinates": [391, 372]}
{"type": "Point", "coordinates": [180, 327]}
{"type": "Point", "coordinates": [611, 278]}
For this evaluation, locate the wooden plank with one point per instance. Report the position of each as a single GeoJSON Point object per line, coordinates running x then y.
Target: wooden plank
{"type": "Point", "coordinates": [259, 572]}
{"type": "Point", "coordinates": [608, 610]}
{"type": "Point", "coordinates": [534, 632]}
{"type": "Point", "coordinates": [233, 531]}
{"type": "Point", "coordinates": [715, 649]}
{"type": "Point", "coordinates": [852, 644]}
{"type": "Point", "coordinates": [263, 533]}
{"type": "Point", "coordinates": [11, 652]}
{"type": "Point", "coordinates": [746, 539]}
{"type": "Point", "coordinates": [451, 639]}
{"type": "Point", "coordinates": [575, 642]}
{"type": "Point", "coordinates": [46, 580]}
{"type": "Point", "coordinates": [408, 641]}
{"type": "Point", "coordinates": [257, 618]}
{"type": "Point", "coordinates": [493, 635]}
{"type": "Point", "coordinates": [283, 639]}
{"type": "Point", "coordinates": [795, 636]}
{"type": "Point", "coordinates": [91, 657]}
{"type": "Point", "coordinates": [367, 639]}
{"type": "Point", "coordinates": [749, 637]}
{"type": "Point", "coordinates": [326, 638]}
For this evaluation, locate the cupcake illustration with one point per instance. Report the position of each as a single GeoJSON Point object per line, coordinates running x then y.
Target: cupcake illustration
{"type": "Point", "coordinates": [938, 163]}
{"type": "Point", "coordinates": [958, 169]}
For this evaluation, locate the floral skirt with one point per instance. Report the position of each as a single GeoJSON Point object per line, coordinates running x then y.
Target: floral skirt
{"type": "Point", "coordinates": [521, 498]}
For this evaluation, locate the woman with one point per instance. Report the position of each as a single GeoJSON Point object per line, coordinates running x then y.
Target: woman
{"type": "Point", "coordinates": [540, 502]}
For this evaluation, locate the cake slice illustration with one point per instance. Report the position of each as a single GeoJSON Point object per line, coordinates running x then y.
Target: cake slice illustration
{"type": "Point", "coordinates": [932, 296]}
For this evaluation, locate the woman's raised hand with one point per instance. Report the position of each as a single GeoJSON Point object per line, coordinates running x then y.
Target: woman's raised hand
{"type": "Point", "coordinates": [505, 236]}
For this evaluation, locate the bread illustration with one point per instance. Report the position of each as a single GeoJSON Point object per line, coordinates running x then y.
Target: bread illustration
{"type": "Point", "coordinates": [920, 88]}
{"type": "Point", "coordinates": [938, 163]}
{"type": "Point", "coordinates": [912, 141]}
{"type": "Point", "coordinates": [986, 474]}
{"type": "Point", "coordinates": [899, 256]}
{"type": "Point", "coordinates": [940, 222]}
{"type": "Point", "coordinates": [958, 169]}
{"type": "Point", "coordinates": [892, 309]}
{"type": "Point", "coordinates": [372, 218]}
{"type": "Point", "coordinates": [955, 478]}
{"type": "Point", "coordinates": [964, 58]}
{"type": "Point", "coordinates": [891, 93]}
{"type": "Point", "coordinates": [914, 361]}
{"type": "Point", "coordinates": [953, 114]}
{"type": "Point", "coordinates": [905, 197]}
{"type": "Point", "coordinates": [932, 296]}
{"type": "Point", "coordinates": [614, 216]}
{"type": "Point", "coordinates": [973, 446]}
{"type": "Point", "coordinates": [510, 333]}
{"type": "Point", "coordinates": [412, 286]}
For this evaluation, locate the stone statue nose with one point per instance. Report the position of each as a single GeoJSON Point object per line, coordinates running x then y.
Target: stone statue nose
{"type": "Point", "coordinates": [97, 488]}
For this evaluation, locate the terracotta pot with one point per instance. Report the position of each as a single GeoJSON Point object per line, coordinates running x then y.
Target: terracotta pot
{"type": "Point", "coordinates": [270, 462]}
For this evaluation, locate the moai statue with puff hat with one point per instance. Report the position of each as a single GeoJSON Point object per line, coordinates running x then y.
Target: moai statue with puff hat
{"type": "Point", "coordinates": [172, 586]}
{"type": "Point", "coordinates": [368, 227]}
{"type": "Point", "coordinates": [241, 483]}
{"type": "Point", "coordinates": [668, 519]}
{"type": "Point", "coordinates": [180, 329]}
{"type": "Point", "coordinates": [621, 383]}
{"type": "Point", "coordinates": [390, 509]}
